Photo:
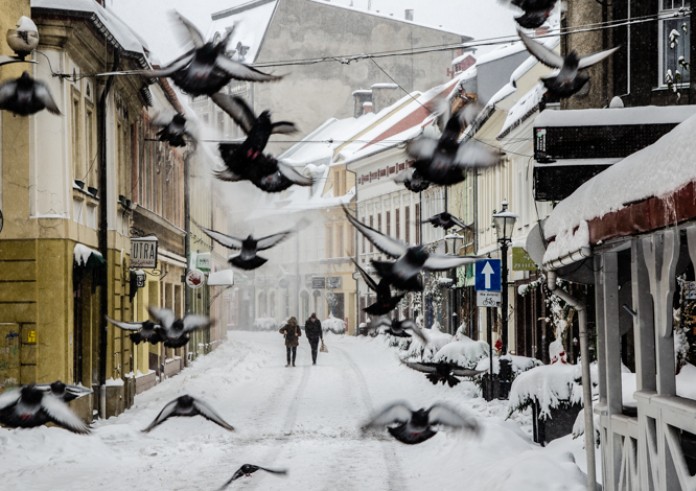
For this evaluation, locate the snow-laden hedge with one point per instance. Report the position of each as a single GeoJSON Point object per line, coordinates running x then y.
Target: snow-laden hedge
{"type": "Point", "coordinates": [519, 363]}
{"type": "Point", "coordinates": [464, 352]}
{"type": "Point", "coordinates": [334, 324]}
{"type": "Point", "coordinates": [436, 340]}
{"type": "Point", "coordinates": [548, 385]}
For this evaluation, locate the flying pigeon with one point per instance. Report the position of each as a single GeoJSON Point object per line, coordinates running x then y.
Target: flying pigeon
{"type": "Point", "coordinates": [386, 302]}
{"type": "Point", "coordinates": [247, 258]}
{"type": "Point", "coordinates": [447, 221]}
{"type": "Point", "coordinates": [206, 68]}
{"type": "Point", "coordinates": [188, 406]}
{"type": "Point", "coordinates": [412, 427]}
{"type": "Point", "coordinates": [30, 406]}
{"type": "Point", "coordinates": [570, 79]}
{"type": "Point", "coordinates": [445, 160]}
{"type": "Point", "coordinates": [25, 96]}
{"type": "Point", "coordinates": [146, 331]}
{"type": "Point", "coordinates": [248, 469]}
{"type": "Point", "coordinates": [175, 332]}
{"type": "Point", "coordinates": [404, 273]}
{"type": "Point", "coordinates": [535, 12]}
{"type": "Point", "coordinates": [24, 38]}
{"type": "Point", "coordinates": [174, 131]}
{"type": "Point", "coordinates": [412, 180]}
{"type": "Point", "coordinates": [446, 373]}
{"type": "Point", "coordinates": [402, 328]}
{"type": "Point", "coordinates": [65, 392]}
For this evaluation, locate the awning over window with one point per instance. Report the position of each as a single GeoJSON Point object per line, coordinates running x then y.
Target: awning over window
{"type": "Point", "coordinates": [86, 257]}
{"type": "Point", "coordinates": [221, 278]}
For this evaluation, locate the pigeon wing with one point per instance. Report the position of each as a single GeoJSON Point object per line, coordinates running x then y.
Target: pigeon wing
{"type": "Point", "coordinates": [368, 279]}
{"type": "Point", "coordinates": [164, 317]}
{"type": "Point", "coordinates": [9, 397]}
{"type": "Point", "coordinates": [545, 55]}
{"type": "Point", "coordinates": [466, 372]}
{"type": "Point", "coordinates": [293, 175]}
{"type": "Point", "coordinates": [284, 128]}
{"type": "Point", "coordinates": [443, 414]}
{"type": "Point", "coordinates": [421, 148]}
{"type": "Point", "coordinates": [241, 71]}
{"type": "Point", "coordinates": [413, 327]}
{"type": "Point", "coordinates": [589, 60]}
{"type": "Point", "coordinates": [195, 321]}
{"type": "Point", "coordinates": [237, 109]}
{"type": "Point", "coordinates": [8, 89]}
{"type": "Point", "coordinates": [42, 94]}
{"type": "Point", "coordinates": [61, 414]}
{"type": "Point", "coordinates": [128, 326]}
{"type": "Point", "coordinates": [223, 239]}
{"type": "Point", "coordinates": [237, 474]}
{"type": "Point", "coordinates": [228, 176]}
{"type": "Point", "coordinates": [195, 35]}
{"type": "Point", "coordinates": [436, 262]}
{"type": "Point", "coordinates": [282, 472]}
{"type": "Point", "coordinates": [404, 175]}
{"type": "Point", "coordinates": [398, 412]}
{"type": "Point", "coordinates": [460, 223]}
{"type": "Point", "coordinates": [166, 71]}
{"type": "Point", "coordinates": [384, 243]}
{"type": "Point", "coordinates": [209, 413]}
{"type": "Point", "coordinates": [165, 413]}
{"type": "Point", "coordinates": [270, 240]}
{"type": "Point", "coordinates": [475, 155]}
{"type": "Point", "coordinates": [420, 367]}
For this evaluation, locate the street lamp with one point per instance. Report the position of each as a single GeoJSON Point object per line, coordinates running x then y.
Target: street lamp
{"type": "Point", "coordinates": [504, 222]}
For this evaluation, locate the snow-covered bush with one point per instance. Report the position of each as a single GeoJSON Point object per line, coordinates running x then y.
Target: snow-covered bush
{"type": "Point", "coordinates": [265, 324]}
{"type": "Point", "coordinates": [548, 386]}
{"type": "Point", "coordinates": [436, 340]}
{"type": "Point", "coordinates": [463, 351]}
{"type": "Point", "coordinates": [334, 324]}
{"type": "Point", "coordinates": [519, 364]}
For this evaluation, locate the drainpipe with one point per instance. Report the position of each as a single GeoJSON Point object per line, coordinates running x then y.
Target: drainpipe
{"type": "Point", "coordinates": [102, 235]}
{"type": "Point", "coordinates": [586, 380]}
{"type": "Point", "coordinates": [355, 252]}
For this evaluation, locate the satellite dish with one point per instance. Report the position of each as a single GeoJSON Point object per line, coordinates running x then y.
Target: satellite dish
{"type": "Point", "coordinates": [536, 244]}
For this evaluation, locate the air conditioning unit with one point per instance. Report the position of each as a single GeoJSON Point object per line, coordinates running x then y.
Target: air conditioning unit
{"type": "Point", "coordinates": [571, 147]}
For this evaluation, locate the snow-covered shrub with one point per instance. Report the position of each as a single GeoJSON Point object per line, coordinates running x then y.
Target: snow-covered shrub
{"type": "Point", "coordinates": [548, 386]}
{"type": "Point", "coordinates": [334, 324]}
{"type": "Point", "coordinates": [463, 351]}
{"type": "Point", "coordinates": [519, 364]}
{"type": "Point", "coordinates": [266, 324]}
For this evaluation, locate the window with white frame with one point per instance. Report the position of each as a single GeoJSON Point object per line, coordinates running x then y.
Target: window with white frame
{"type": "Point", "coordinates": [675, 42]}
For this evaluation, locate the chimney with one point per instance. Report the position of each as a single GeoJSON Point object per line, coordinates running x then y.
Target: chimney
{"type": "Point", "coordinates": [384, 95]}
{"type": "Point", "coordinates": [408, 14]}
{"type": "Point", "coordinates": [367, 107]}
{"type": "Point", "coordinates": [360, 97]}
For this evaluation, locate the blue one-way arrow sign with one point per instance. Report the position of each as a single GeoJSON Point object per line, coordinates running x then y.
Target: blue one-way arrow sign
{"type": "Point", "coordinates": [488, 275]}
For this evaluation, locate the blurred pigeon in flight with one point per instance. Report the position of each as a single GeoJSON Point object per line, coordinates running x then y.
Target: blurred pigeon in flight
{"type": "Point", "coordinates": [63, 391]}
{"type": "Point", "coordinates": [188, 406]}
{"type": "Point", "coordinates": [174, 130]}
{"type": "Point", "coordinates": [404, 273]}
{"type": "Point", "coordinates": [570, 78]}
{"type": "Point", "coordinates": [402, 328]}
{"type": "Point", "coordinates": [386, 302]}
{"type": "Point", "coordinates": [146, 331]}
{"type": "Point", "coordinates": [175, 332]}
{"type": "Point", "coordinates": [412, 180]}
{"type": "Point", "coordinates": [447, 221]}
{"type": "Point", "coordinates": [25, 96]}
{"type": "Point", "coordinates": [247, 258]}
{"type": "Point", "coordinates": [412, 427]}
{"type": "Point", "coordinates": [446, 373]}
{"type": "Point", "coordinates": [30, 406]}
{"type": "Point", "coordinates": [445, 160]}
{"type": "Point", "coordinates": [206, 68]}
{"type": "Point", "coordinates": [247, 470]}
{"type": "Point", "coordinates": [24, 38]}
{"type": "Point", "coordinates": [535, 12]}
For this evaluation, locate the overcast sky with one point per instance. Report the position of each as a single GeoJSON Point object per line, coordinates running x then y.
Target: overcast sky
{"type": "Point", "coordinates": [479, 19]}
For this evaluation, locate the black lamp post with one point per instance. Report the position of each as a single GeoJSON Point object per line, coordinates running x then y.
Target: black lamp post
{"type": "Point", "coordinates": [504, 222]}
{"type": "Point", "coordinates": [454, 243]}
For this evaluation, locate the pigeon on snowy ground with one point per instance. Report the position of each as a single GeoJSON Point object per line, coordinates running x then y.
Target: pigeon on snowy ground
{"type": "Point", "coordinates": [447, 221]}
{"type": "Point", "coordinates": [445, 160]}
{"type": "Point", "coordinates": [535, 12]}
{"type": "Point", "coordinates": [24, 38]}
{"type": "Point", "coordinates": [65, 392]}
{"type": "Point", "coordinates": [146, 331]}
{"type": "Point", "coordinates": [412, 180]}
{"type": "Point", "coordinates": [248, 469]}
{"type": "Point", "coordinates": [188, 406]}
{"type": "Point", "coordinates": [25, 96]}
{"type": "Point", "coordinates": [412, 427]}
{"type": "Point", "coordinates": [247, 258]}
{"type": "Point", "coordinates": [446, 373]}
{"type": "Point", "coordinates": [206, 68]}
{"type": "Point", "coordinates": [174, 130]}
{"type": "Point", "coordinates": [404, 273]}
{"type": "Point", "coordinates": [30, 406]}
{"type": "Point", "coordinates": [386, 302]}
{"type": "Point", "coordinates": [570, 79]}
{"type": "Point", "coordinates": [175, 332]}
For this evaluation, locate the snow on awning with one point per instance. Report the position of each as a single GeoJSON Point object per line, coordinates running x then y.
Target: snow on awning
{"type": "Point", "coordinates": [615, 116]}
{"type": "Point", "coordinates": [650, 189]}
{"type": "Point", "coordinates": [224, 277]}
{"type": "Point", "coordinates": [86, 257]}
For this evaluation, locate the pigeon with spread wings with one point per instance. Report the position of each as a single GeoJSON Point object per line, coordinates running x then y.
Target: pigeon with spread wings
{"type": "Point", "coordinates": [63, 391]}
{"type": "Point", "coordinates": [386, 302]}
{"type": "Point", "coordinates": [247, 470]}
{"type": "Point", "coordinates": [175, 332]}
{"type": "Point", "coordinates": [412, 427]}
{"type": "Point", "coordinates": [146, 331]}
{"type": "Point", "coordinates": [535, 12]}
{"type": "Point", "coordinates": [187, 405]}
{"type": "Point", "coordinates": [447, 221]}
{"type": "Point", "coordinates": [570, 77]}
{"type": "Point", "coordinates": [404, 272]}
{"type": "Point", "coordinates": [30, 406]}
{"type": "Point", "coordinates": [446, 373]}
{"type": "Point", "coordinates": [25, 96]}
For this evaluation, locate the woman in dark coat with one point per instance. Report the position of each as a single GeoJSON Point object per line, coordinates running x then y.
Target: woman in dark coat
{"type": "Point", "coordinates": [313, 331]}
{"type": "Point", "coordinates": [292, 333]}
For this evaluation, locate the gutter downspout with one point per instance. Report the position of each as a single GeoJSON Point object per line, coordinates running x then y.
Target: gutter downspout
{"type": "Point", "coordinates": [355, 252]}
{"type": "Point", "coordinates": [586, 380]}
{"type": "Point", "coordinates": [102, 236]}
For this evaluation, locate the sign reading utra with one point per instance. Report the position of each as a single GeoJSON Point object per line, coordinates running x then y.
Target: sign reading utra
{"type": "Point", "coordinates": [144, 252]}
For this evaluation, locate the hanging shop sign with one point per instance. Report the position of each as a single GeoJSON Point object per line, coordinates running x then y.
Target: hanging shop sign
{"type": "Point", "coordinates": [203, 262]}
{"type": "Point", "coordinates": [144, 252]}
{"type": "Point", "coordinates": [195, 278]}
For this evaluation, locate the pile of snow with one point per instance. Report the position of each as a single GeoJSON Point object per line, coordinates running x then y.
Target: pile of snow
{"type": "Point", "coordinates": [519, 363]}
{"type": "Point", "coordinates": [334, 324]}
{"type": "Point", "coordinates": [548, 386]}
{"type": "Point", "coordinates": [265, 324]}
{"type": "Point", "coordinates": [464, 352]}
{"type": "Point", "coordinates": [436, 340]}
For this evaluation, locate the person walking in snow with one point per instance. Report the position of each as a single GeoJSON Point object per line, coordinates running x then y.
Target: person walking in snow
{"type": "Point", "coordinates": [292, 332]}
{"type": "Point", "coordinates": [313, 331]}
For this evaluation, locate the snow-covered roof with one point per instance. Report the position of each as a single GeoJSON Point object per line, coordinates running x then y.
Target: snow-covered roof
{"type": "Point", "coordinates": [116, 30]}
{"type": "Point", "coordinates": [502, 52]}
{"type": "Point", "coordinates": [527, 105]}
{"type": "Point", "coordinates": [250, 21]}
{"type": "Point", "coordinates": [609, 204]}
{"type": "Point", "coordinates": [615, 116]}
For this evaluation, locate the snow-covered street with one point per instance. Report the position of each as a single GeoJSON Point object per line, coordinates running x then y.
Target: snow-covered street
{"type": "Point", "coordinates": [305, 419]}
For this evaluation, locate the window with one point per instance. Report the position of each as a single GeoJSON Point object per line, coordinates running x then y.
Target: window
{"type": "Point", "coordinates": [76, 123]}
{"type": "Point", "coordinates": [372, 225]}
{"type": "Point", "coordinates": [388, 218]}
{"type": "Point", "coordinates": [407, 225]}
{"type": "Point", "coordinates": [675, 42]}
{"type": "Point", "coordinates": [90, 134]}
{"type": "Point", "coordinates": [397, 227]}
{"type": "Point", "coordinates": [418, 234]}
